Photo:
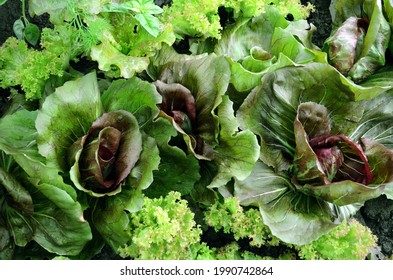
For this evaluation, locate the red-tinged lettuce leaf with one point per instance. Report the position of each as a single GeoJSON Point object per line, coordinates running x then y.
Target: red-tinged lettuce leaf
{"type": "Point", "coordinates": [207, 79]}
{"type": "Point", "coordinates": [94, 168]}
{"type": "Point", "coordinates": [344, 45]}
{"type": "Point", "coordinates": [369, 53]}
{"type": "Point", "coordinates": [110, 216]}
{"type": "Point", "coordinates": [270, 109]}
{"type": "Point", "coordinates": [141, 98]}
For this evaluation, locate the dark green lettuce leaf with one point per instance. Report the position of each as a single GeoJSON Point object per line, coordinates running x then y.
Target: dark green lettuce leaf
{"type": "Point", "coordinates": [54, 217]}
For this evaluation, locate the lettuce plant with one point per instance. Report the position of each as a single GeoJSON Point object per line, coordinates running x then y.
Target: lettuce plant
{"type": "Point", "coordinates": [193, 101]}
{"type": "Point", "coordinates": [348, 241]}
{"type": "Point", "coordinates": [110, 158]}
{"type": "Point", "coordinates": [232, 218]}
{"type": "Point", "coordinates": [258, 45]}
{"type": "Point", "coordinates": [164, 229]}
{"type": "Point", "coordinates": [322, 154]}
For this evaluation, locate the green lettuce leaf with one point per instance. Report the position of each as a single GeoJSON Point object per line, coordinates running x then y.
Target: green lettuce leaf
{"type": "Point", "coordinates": [292, 216]}
{"type": "Point", "coordinates": [237, 152]}
{"type": "Point", "coordinates": [283, 43]}
{"type": "Point", "coordinates": [64, 107]}
{"type": "Point", "coordinates": [135, 96]}
{"type": "Point", "coordinates": [56, 219]}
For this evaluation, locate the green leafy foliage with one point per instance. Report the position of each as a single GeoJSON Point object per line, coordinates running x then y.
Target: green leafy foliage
{"type": "Point", "coordinates": [40, 206]}
{"type": "Point", "coordinates": [163, 229]}
{"type": "Point", "coordinates": [230, 217]}
{"type": "Point", "coordinates": [21, 65]}
{"type": "Point", "coordinates": [349, 241]}
{"type": "Point", "coordinates": [197, 19]}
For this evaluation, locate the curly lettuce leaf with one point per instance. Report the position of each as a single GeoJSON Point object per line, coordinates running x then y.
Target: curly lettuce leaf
{"type": "Point", "coordinates": [122, 53]}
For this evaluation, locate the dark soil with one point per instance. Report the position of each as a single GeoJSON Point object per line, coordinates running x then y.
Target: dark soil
{"type": "Point", "coordinates": [321, 19]}
{"type": "Point", "coordinates": [9, 12]}
{"type": "Point", "coordinates": [377, 214]}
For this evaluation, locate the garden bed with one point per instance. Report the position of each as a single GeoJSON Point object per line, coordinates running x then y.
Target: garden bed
{"type": "Point", "coordinates": [188, 183]}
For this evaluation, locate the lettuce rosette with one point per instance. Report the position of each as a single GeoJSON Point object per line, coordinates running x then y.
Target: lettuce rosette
{"type": "Point", "coordinates": [97, 143]}
{"type": "Point", "coordinates": [195, 107]}
{"type": "Point", "coordinates": [322, 153]}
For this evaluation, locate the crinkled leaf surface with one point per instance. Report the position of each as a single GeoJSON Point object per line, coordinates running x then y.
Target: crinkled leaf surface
{"type": "Point", "coordinates": [270, 110]}
{"type": "Point", "coordinates": [177, 170]}
{"type": "Point", "coordinates": [135, 96]}
{"type": "Point", "coordinates": [376, 40]}
{"type": "Point", "coordinates": [286, 43]}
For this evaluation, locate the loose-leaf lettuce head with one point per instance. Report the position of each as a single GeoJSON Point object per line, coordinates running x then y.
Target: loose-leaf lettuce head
{"type": "Point", "coordinates": [320, 145]}
{"type": "Point", "coordinates": [122, 53]}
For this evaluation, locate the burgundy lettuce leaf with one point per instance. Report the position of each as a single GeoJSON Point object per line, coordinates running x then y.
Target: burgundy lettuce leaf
{"type": "Point", "coordinates": [104, 157]}
{"type": "Point", "coordinates": [178, 103]}
{"type": "Point", "coordinates": [346, 44]}
{"type": "Point", "coordinates": [333, 166]}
